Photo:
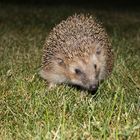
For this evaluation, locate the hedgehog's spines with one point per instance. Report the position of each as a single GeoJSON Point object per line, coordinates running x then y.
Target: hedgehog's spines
{"type": "Point", "coordinates": [75, 37]}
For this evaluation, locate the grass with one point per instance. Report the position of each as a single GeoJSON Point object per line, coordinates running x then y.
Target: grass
{"type": "Point", "coordinates": [28, 112]}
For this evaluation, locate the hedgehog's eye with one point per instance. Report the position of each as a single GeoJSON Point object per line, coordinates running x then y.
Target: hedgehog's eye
{"type": "Point", "coordinates": [95, 66]}
{"type": "Point", "coordinates": [78, 71]}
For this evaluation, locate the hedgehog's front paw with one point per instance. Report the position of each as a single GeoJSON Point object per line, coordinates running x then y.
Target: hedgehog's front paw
{"type": "Point", "coordinates": [51, 86]}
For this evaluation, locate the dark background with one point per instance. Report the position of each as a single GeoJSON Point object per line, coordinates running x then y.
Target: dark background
{"type": "Point", "coordinates": [114, 3]}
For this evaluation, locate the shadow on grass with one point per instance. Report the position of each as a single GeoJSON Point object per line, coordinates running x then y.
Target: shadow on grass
{"type": "Point", "coordinates": [82, 90]}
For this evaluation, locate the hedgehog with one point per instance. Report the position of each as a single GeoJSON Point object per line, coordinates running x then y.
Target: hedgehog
{"type": "Point", "coordinates": [77, 52]}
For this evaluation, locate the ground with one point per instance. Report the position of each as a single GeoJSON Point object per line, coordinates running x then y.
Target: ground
{"type": "Point", "coordinates": [29, 111]}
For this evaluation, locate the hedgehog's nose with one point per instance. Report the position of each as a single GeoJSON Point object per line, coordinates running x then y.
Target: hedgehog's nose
{"type": "Point", "coordinates": [93, 87]}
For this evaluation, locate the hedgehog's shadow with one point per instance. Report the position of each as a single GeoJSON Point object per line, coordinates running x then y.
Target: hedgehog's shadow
{"type": "Point", "coordinates": [78, 88]}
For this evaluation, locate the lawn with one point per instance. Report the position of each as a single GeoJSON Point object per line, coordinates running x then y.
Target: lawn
{"type": "Point", "coordinates": [29, 111]}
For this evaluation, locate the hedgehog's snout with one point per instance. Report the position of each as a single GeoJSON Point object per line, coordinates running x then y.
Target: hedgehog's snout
{"type": "Point", "coordinates": [93, 87]}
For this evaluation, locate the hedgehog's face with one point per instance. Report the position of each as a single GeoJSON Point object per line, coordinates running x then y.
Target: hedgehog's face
{"type": "Point", "coordinates": [86, 72]}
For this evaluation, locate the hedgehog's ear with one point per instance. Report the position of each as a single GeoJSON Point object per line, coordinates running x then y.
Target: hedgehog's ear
{"type": "Point", "coordinates": [60, 61]}
{"type": "Point", "coordinates": [98, 50]}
